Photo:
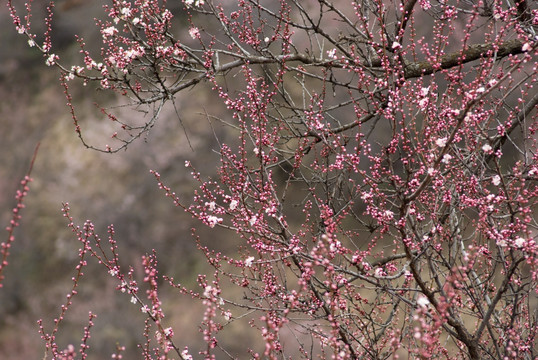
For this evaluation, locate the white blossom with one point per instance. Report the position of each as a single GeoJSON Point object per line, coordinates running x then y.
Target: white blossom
{"type": "Point", "coordinates": [194, 2]}
{"type": "Point", "coordinates": [233, 204]}
{"type": "Point", "coordinates": [249, 261]}
{"type": "Point", "coordinates": [185, 355]}
{"type": "Point", "coordinates": [211, 205]}
{"type": "Point", "coordinates": [194, 32]}
{"type": "Point", "coordinates": [126, 12]}
{"type": "Point", "coordinates": [51, 60]}
{"type": "Point", "coordinates": [519, 242]}
{"type": "Point", "coordinates": [496, 180]}
{"type": "Point", "coordinates": [109, 31]}
{"type": "Point", "coordinates": [487, 148]}
{"type": "Point", "coordinates": [423, 301]}
{"type": "Point", "coordinates": [441, 142]}
{"type": "Point", "coordinates": [213, 220]}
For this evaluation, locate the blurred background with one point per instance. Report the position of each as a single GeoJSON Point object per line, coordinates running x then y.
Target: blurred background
{"type": "Point", "coordinates": [103, 188]}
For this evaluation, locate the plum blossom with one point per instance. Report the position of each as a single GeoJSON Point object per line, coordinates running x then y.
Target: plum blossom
{"type": "Point", "coordinates": [126, 12]}
{"type": "Point", "coordinates": [487, 148]}
{"type": "Point", "coordinates": [332, 54]}
{"type": "Point", "coordinates": [519, 242]}
{"type": "Point", "coordinates": [213, 220]}
{"type": "Point", "coordinates": [210, 205]}
{"type": "Point", "coordinates": [194, 32]}
{"type": "Point", "coordinates": [51, 60]}
{"type": "Point", "coordinates": [169, 332]}
{"type": "Point", "coordinates": [425, 4]}
{"type": "Point", "coordinates": [441, 142]}
{"type": "Point", "coordinates": [196, 3]}
{"type": "Point", "coordinates": [109, 31]}
{"type": "Point", "coordinates": [233, 204]}
{"type": "Point", "coordinates": [423, 301]}
{"type": "Point", "coordinates": [248, 261]}
{"type": "Point", "coordinates": [185, 354]}
{"type": "Point", "coordinates": [496, 180]}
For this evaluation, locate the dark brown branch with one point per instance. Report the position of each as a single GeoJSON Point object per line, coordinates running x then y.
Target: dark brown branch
{"type": "Point", "coordinates": [474, 52]}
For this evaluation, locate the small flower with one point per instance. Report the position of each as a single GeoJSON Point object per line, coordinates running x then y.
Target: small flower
{"type": "Point", "coordinates": [519, 242]}
{"type": "Point", "coordinates": [133, 299]}
{"type": "Point", "coordinates": [51, 60]}
{"type": "Point", "coordinates": [208, 291]}
{"type": "Point", "coordinates": [332, 54]}
{"type": "Point", "coordinates": [185, 354]}
{"type": "Point", "coordinates": [423, 301]}
{"type": "Point", "coordinates": [487, 148]}
{"type": "Point", "coordinates": [266, 39]}
{"type": "Point", "coordinates": [213, 220]}
{"type": "Point", "coordinates": [424, 91]}
{"type": "Point", "coordinates": [248, 261]}
{"type": "Point", "coordinates": [227, 315]}
{"type": "Point", "coordinates": [31, 43]}
{"type": "Point", "coordinates": [379, 272]}
{"type": "Point", "coordinates": [446, 158]}
{"type": "Point", "coordinates": [396, 45]}
{"type": "Point", "coordinates": [187, 163]}
{"type": "Point", "coordinates": [233, 204]}
{"type": "Point", "coordinates": [109, 31]}
{"type": "Point", "coordinates": [169, 332]}
{"type": "Point", "coordinates": [425, 4]}
{"type": "Point", "coordinates": [194, 2]}
{"type": "Point", "coordinates": [526, 47]}
{"type": "Point", "coordinates": [211, 205]}
{"type": "Point", "coordinates": [441, 142]}
{"type": "Point", "coordinates": [194, 32]}
{"type": "Point", "coordinates": [422, 103]}
{"type": "Point", "coordinates": [253, 220]}
{"type": "Point", "coordinates": [501, 243]}
{"type": "Point", "coordinates": [126, 12]}
{"type": "Point", "coordinates": [496, 180]}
